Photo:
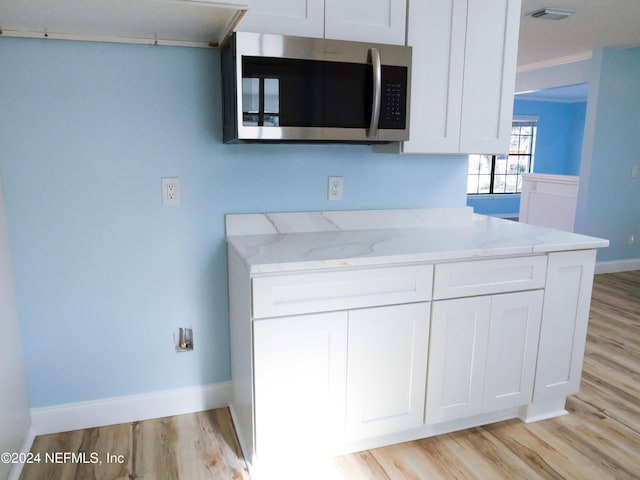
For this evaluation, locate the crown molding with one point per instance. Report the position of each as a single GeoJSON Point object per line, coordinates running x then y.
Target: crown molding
{"type": "Point", "coordinates": [554, 62]}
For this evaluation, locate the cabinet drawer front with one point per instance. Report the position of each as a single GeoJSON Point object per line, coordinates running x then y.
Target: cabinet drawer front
{"type": "Point", "coordinates": [481, 277]}
{"type": "Point", "coordinates": [279, 295]}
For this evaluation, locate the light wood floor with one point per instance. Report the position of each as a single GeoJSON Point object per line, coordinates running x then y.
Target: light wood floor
{"type": "Point", "coordinates": [600, 439]}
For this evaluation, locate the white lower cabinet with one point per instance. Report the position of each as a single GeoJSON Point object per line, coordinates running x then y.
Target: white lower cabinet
{"type": "Point", "coordinates": [386, 369]}
{"type": "Point", "coordinates": [459, 332]}
{"type": "Point", "coordinates": [565, 317]}
{"type": "Point", "coordinates": [299, 383]}
{"type": "Point", "coordinates": [514, 329]}
{"type": "Point", "coordinates": [310, 370]}
{"type": "Point", "coordinates": [482, 354]}
{"type": "Point", "coordinates": [330, 362]}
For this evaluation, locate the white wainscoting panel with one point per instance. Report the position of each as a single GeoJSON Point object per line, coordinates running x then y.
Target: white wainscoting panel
{"type": "Point", "coordinates": [549, 200]}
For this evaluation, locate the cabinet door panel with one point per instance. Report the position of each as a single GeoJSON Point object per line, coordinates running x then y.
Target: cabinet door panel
{"type": "Point", "coordinates": [379, 21]}
{"type": "Point", "coordinates": [436, 31]}
{"type": "Point", "coordinates": [457, 356]}
{"type": "Point", "coordinates": [303, 18]}
{"type": "Point", "coordinates": [513, 345]}
{"type": "Point", "coordinates": [386, 372]}
{"type": "Point", "coordinates": [489, 75]}
{"type": "Point", "coordinates": [300, 376]}
{"type": "Point", "coordinates": [565, 317]}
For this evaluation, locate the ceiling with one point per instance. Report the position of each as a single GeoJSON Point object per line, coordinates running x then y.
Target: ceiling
{"type": "Point", "coordinates": [596, 24]}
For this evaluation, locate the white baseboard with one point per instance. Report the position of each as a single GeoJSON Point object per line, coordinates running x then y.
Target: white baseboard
{"type": "Point", "coordinates": [16, 469]}
{"type": "Point", "coordinates": [543, 410]}
{"type": "Point", "coordinates": [110, 411]}
{"type": "Point", "coordinates": [615, 266]}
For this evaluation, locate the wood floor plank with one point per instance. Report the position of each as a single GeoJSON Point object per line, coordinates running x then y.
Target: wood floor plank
{"type": "Point", "coordinates": [411, 460]}
{"type": "Point", "coordinates": [190, 447]}
{"type": "Point", "coordinates": [507, 464]}
{"type": "Point", "coordinates": [605, 438]}
{"type": "Point", "coordinates": [222, 454]}
{"type": "Point", "coordinates": [599, 439]}
{"type": "Point", "coordinates": [359, 466]}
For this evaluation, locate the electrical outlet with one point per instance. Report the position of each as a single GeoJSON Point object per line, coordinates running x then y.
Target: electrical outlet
{"type": "Point", "coordinates": [171, 191]}
{"type": "Point", "coordinates": [335, 188]}
{"type": "Point", "coordinates": [634, 171]}
{"type": "Point", "coordinates": [631, 238]}
{"type": "Point", "coordinates": [184, 340]}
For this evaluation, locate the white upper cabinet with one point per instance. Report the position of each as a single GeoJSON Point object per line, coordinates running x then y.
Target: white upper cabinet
{"type": "Point", "coordinates": [380, 21]}
{"type": "Point", "coordinates": [436, 31]}
{"type": "Point", "coordinates": [285, 17]}
{"type": "Point", "coordinates": [489, 75]}
{"type": "Point", "coordinates": [463, 75]}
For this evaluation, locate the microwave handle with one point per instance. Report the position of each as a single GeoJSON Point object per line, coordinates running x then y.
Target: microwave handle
{"type": "Point", "coordinates": [376, 64]}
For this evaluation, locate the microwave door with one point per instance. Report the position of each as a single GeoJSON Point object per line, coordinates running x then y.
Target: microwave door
{"type": "Point", "coordinates": [297, 95]}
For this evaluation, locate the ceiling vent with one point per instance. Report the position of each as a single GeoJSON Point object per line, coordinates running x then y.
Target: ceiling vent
{"type": "Point", "coordinates": [551, 13]}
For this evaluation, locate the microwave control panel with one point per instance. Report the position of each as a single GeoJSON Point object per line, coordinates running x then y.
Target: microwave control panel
{"type": "Point", "coordinates": [393, 106]}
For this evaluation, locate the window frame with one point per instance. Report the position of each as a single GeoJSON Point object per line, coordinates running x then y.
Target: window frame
{"type": "Point", "coordinates": [518, 121]}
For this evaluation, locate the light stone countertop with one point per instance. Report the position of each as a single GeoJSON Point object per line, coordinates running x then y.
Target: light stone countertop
{"type": "Point", "coordinates": [293, 242]}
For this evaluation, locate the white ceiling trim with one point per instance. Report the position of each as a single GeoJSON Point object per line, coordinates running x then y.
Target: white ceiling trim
{"type": "Point", "coordinates": [108, 39]}
{"type": "Point", "coordinates": [554, 62]}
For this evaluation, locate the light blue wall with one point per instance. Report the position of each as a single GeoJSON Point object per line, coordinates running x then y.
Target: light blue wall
{"type": "Point", "coordinates": [500, 205]}
{"type": "Point", "coordinates": [560, 131]}
{"type": "Point", "coordinates": [104, 273]}
{"type": "Point", "coordinates": [609, 199]}
{"type": "Point", "coordinates": [578, 115]}
{"type": "Point", "coordinates": [558, 148]}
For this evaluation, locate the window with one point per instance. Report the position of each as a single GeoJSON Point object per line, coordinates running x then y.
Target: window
{"type": "Point", "coordinates": [503, 173]}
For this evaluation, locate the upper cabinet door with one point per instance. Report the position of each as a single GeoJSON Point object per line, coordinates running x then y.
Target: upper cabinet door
{"type": "Point", "coordinates": [380, 21]}
{"type": "Point", "coordinates": [463, 75]}
{"type": "Point", "coordinates": [436, 31]}
{"type": "Point", "coordinates": [489, 75]}
{"type": "Point", "coordinates": [304, 18]}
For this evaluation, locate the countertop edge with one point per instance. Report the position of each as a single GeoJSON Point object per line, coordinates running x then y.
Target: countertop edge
{"type": "Point", "coordinates": [388, 260]}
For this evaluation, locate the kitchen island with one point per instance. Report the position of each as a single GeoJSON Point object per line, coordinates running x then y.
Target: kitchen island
{"type": "Point", "coordinates": [357, 329]}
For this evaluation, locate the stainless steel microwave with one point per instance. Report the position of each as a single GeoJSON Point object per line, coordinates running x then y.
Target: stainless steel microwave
{"type": "Point", "coordinates": [293, 89]}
